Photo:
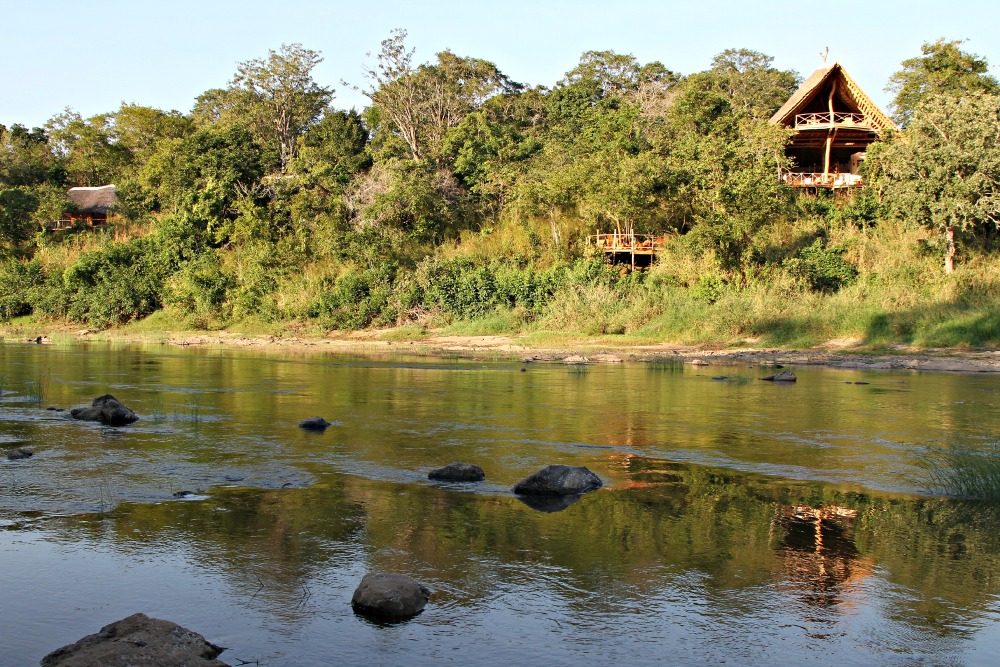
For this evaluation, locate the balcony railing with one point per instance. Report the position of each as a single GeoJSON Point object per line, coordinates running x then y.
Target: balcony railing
{"type": "Point", "coordinates": [634, 243]}
{"type": "Point", "coordinates": [827, 119]}
{"type": "Point", "coordinates": [798, 179]}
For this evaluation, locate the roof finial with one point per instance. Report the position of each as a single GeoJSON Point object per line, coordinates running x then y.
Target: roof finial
{"type": "Point", "coordinates": [824, 54]}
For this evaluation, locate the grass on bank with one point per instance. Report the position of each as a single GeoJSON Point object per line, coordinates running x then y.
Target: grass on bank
{"type": "Point", "coordinates": [512, 279]}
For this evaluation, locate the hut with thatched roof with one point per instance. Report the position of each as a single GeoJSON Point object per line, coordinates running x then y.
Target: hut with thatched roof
{"type": "Point", "coordinates": [834, 122]}
{"type": "Point", "coordinates": [92, 205]}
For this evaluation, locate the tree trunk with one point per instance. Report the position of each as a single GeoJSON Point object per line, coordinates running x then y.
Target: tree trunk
{"type": "Point", "coordinates": [949, 253]}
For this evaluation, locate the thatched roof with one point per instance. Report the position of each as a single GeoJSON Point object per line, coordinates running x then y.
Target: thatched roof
{"type": "Point", "coordinates": [93, 200]}
{"type": "Point", "coordinates": [850, 90]}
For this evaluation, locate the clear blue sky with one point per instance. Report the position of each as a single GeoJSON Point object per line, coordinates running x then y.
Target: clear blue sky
{"type": "Point", "coordinates": [92, 56]}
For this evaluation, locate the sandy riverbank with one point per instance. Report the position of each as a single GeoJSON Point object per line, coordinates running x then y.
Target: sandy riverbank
{"type": "Point", "coordinates": [839, 354]}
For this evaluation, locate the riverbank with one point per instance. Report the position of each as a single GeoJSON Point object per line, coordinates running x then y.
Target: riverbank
{"type": "Point", "coordinates": [548, 347]}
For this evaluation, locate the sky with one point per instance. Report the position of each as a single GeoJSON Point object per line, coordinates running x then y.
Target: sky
{"type": "Point", "coordinates": [94, 55]}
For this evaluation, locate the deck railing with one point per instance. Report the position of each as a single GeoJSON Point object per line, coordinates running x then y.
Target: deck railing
{"type": "Point", "coordinates": [827, 119]}
{"type": "Point", "coordinates": [797, 179]}
{"type": "Point", "coordinates": [635, 243]}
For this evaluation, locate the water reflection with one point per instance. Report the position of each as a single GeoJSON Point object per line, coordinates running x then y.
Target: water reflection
{"type": "Point", "coordinates": [720, 535]}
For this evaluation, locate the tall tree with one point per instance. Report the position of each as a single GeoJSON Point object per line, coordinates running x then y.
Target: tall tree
{"type": "Point", "coordinates": [942, 69]}
{"type": "Point", "coordinates": [748, 81]}
{"type": "Point", "coordinates": [420, 104]}
{"type": "Point", "coordinates": [279, 97]}
{"type": "Point", "coordinates": [944, 172]}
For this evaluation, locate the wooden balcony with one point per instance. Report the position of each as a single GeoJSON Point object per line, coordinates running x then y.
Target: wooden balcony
{"type": "Point", "coordinates": [640, 244]}
{"type": "Point", "coordinates": [638, 250]}
{"type": "Point", "coordinates": [826, 120]}
{"type": "Point", "coordinates": [798, 179]}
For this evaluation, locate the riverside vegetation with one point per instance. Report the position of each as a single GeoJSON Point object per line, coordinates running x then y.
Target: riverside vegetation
{"type": "Point", "coordinates": [461, 200]}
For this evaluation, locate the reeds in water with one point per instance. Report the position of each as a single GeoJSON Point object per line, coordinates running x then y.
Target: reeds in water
{"type": "Point", "coordinates": [964, 470]}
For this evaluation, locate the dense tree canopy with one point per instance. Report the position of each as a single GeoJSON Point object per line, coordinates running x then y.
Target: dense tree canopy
{"type": "Point", "coordinates": [942, 69]}
{"type": "Point", "coordinates": [266, 199]}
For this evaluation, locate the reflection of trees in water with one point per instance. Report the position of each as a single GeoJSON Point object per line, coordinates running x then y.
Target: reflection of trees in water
{"type": "Point", "coordinates": [745, 540]}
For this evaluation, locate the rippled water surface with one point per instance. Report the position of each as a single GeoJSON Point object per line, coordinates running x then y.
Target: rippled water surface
{"type": "Point", "coordinates": [742, 522]}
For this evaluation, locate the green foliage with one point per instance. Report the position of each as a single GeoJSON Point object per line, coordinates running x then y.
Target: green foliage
{"type": "Point", "coordinates": [466, 289]}
{"type": "Point", "coordinates": [709, 288]}
{"type": "Point", "coordinates": [822, 268]}
{"type": "Point", "coordinates": [19, 282]}
{"type": "Point", "coordinates": [945, 172]}
{"type": "Point", "coordinates": [278, 98]}
{"type": "Point", "coordinates": [116, 284]}
{"type": "Point", "coordinates": [358, 299]}
{"type": "Point", "coordinates": [943, 69]}
{"type": "Point", "coordinates": [17, 206]}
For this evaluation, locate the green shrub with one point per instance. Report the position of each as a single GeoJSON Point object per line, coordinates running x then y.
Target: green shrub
{"type": "Point", "coordinates": [19, 281]}
{"type": "Point", "coordinates": [824, 269]}
{"type": "Point", "coordinates": [116, 284]}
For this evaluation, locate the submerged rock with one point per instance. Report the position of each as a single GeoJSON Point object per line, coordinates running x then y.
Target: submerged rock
{"type": "Point", "coordinates": [458, 472]}
{"type": "Point", "coordinates": [107, 410]}
{"type": "Point", "coordinates": [315, 424]}
{"type": "Point", "coordinates": [19, 453]}
{"type": "Point", "coordinates": [138, 641]}
{"type": "Point", "coordinates": [783, 376]}
{"type": "Point", "coordinates": [389, 596]}
{"type": "Point", "coordinates": [558, 480]}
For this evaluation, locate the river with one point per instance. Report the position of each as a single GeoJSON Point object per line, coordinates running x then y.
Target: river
{"type": "Point", "coordinates": [741, 522]}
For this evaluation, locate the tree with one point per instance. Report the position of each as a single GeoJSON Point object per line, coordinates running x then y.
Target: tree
{"type": "Point", "coordinates": [615, 73]}
{"type": "Point", "coordinates": [89, 148]}
{"type": "Point", "coordinates": [943, 69]}
{"type": "Point", "coordinates": [278, 97]}
{"type": "Point", "coordinates": [944, 172]}
{"type": "Point", "coordinates": [422, 103]}
{"type": "Point", "coordinates": [748, 81]}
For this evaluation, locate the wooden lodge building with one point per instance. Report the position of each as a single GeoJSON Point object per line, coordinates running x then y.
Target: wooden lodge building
{"type": "Point", "coordinates": [92, 206]}
{"type": "Point", "coordinates": [834, 122]}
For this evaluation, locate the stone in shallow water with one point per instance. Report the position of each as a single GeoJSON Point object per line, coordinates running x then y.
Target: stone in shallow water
{"type": "Point", "coordinates": [458, 472]}
{"type": "Point", "coordinates": [783, 376]}
{"type": "Point", "coordinates": [105, 409]}
{"type": "Point", "coordinates": [559, 480]}
{"type": "Point", "coordinates": [138, 641]}
{"type": "Point", "coordinates": [389, 596]}
{"type": "Point", "coordinates": [19, 453]}
{"type": "Point", "coordinates": [315, 424]}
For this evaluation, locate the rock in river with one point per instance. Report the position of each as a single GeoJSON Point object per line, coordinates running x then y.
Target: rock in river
{"type": "Point", "coordinates": [558, 480]}
{"type": "Point", "coordinates": [315, 424]}
{"type": "Point", "coordinates": [389, 596]}
{"type": "Point", "coordinates": [19, 453]}
{"type": "Point", "coordinates": [107, 410]}
{"type": "Point", "coordinates": [458, 472]}
{"type": "Point", "coordinates": [783, 376]}
{"type": "Point", "coordinates": [138, 641]}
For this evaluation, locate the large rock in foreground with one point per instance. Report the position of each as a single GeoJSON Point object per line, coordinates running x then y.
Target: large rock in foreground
{"type": "Point", "coordinates": [558, 480]}
{"type": "Point", "coordinates": [138, 641]}
{"type": "Point", "coordinates": [458, 472]}
{"type": "Point", "coordinates": [107, 410]}
{"type": "Point", "coordinates": [389, 596]}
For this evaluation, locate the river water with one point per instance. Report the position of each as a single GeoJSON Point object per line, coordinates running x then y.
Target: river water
{"type": "Point", "coordinates": [742, 522]}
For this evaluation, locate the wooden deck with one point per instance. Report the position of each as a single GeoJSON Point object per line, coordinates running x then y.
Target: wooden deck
{"type": "Point", "coordinates": [637, 250]}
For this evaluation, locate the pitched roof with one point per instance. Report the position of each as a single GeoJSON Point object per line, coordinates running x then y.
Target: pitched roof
{"type": "Point", "coordinates": [811, 86]}
{"type": "Point", "coordinates": [93, 199]}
